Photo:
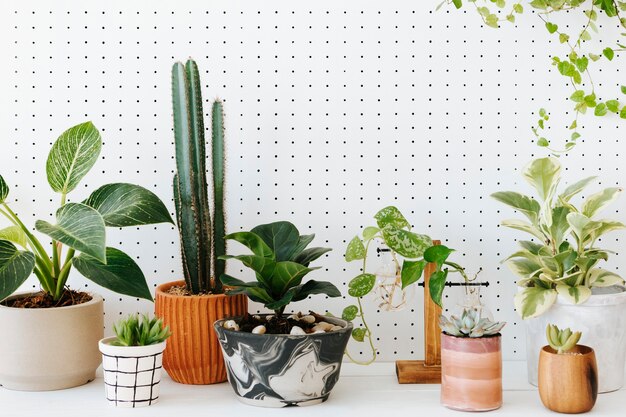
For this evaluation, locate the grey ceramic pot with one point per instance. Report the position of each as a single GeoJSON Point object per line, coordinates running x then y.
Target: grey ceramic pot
{"type": "Point", "coordinates": [270, 370]}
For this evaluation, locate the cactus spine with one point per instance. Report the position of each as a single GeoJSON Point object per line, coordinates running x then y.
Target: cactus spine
{"type": "Point", "coordinates": [193, 211]}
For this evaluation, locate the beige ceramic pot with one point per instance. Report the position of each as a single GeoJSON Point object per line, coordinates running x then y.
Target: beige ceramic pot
{"type": "Point", "coordinates": [568, 383]}
{"type": "Point", "coordinates": [47, 349]}
{"type": "Point", "coordinates": [193, 354]}
{"type": "Point", "coordinates": [471, 373]}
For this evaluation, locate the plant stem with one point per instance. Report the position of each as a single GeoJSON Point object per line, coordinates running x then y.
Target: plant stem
{"type": "Point", "coordinates": [64, 273]}
{"type": "Point", "coordinates": [369, 338]}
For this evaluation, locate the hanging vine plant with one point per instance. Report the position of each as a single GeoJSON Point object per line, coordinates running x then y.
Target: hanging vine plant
{"type": "Point", "coordinates": [578, 61]}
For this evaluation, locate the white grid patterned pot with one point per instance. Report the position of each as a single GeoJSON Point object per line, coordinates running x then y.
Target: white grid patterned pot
{"type": "Point", "coordinates": [132, 375]}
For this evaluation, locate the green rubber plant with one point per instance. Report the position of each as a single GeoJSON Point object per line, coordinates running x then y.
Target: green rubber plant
{"type": "Point", "coordinates": [587, 19]}
{"type": "Point", "coordinates": [562, 258]}
{"type": "Point", "coordinates": [413, 249]}
{"type": "Point", "coordinates": [201, 232]}
{"type": "Point", "coordinates": [80, 227]}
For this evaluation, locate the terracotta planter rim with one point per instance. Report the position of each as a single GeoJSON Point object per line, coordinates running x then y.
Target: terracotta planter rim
{"type": "Point", "coordinates": [95, 298]}
{"type": "Point", "coordinates": [162, 290]}
{"type": "Point", "coordinates": [347, 328]}
{"type": "Point", "coordinates": [582, 351]}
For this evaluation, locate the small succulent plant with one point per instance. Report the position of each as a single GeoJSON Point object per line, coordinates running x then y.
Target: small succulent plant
{"type": "Point", "coordinates": [136, 331]}
{"type": "Point", "coordinates": [470, 324]}
{"type": "Point", "coordinates": [561, 340]}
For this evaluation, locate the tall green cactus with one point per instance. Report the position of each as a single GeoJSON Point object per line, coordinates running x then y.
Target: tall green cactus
{"type": "Point", "coordinates": [190, 184]}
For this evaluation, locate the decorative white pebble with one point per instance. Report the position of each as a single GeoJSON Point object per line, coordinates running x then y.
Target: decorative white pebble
{"type": "Point", "coordinates": [259, 329]}
{"type": "Point", "coordinates": [318, 331]}
{"type": "Point", "coordinates": [296, 330]}
{"type": "Point", "coordinates": [294, 317]}
{"type": "Point", "coordinates": [256, 317]}
{"type": "Point", "coordinates": [231, 325]}
{"type": "Point", "coordinates": [308, 319]}
{"type": "Point", "coordinates": [268, 318]}
{"type": "Point", "coordinates": [334, 328]}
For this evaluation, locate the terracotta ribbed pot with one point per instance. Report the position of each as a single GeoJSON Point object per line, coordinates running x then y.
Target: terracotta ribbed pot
{"type": "Point", "coordinates": [193, 354]}
{"type": "Point", "coordinates": [568, 383]}
{"type": "Point", "coordinates": [471, 373]}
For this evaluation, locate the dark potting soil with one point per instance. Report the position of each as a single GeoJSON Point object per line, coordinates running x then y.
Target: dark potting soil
{"type": "Point", "coordinates": [45, 300]}
{"type": "Point", "coordinates": [276, 325]}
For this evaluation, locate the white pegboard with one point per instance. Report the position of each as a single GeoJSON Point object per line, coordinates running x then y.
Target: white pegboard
{"type": "Point", "coordinates": [334, 109]}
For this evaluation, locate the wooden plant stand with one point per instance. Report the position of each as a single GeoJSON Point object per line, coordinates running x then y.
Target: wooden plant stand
{"type": "Point", "coordinates": [427, 371]}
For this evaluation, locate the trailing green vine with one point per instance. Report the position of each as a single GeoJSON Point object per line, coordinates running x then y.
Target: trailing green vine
{"type": "Point", "coordinates": [576, 63]}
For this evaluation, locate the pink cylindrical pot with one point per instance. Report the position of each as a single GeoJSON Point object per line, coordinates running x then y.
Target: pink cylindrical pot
{"type": "Point", "coordinates": [471, 373]}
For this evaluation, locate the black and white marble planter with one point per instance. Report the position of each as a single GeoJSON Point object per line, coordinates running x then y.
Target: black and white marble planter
{"type": "Point", "coordinates": [270, 370]}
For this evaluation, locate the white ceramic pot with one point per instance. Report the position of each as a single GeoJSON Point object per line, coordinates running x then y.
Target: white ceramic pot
{"type": "Point", "coordinates": [602, 320]}
{"type": "Point", "coordinates": [43, 349]}
{"type": "Point", "coordinates": [132, 374]}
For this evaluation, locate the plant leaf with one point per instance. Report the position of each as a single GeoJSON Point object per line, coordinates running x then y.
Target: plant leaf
{"type": "Point", "coordinates": [358, 334]}
{"type": "Point", "coordinates": [72, 156]}
{"type": "Point", "coordinates": [282, 238]}
{"type": "Point", "coordinates": [560, 226]}
{"type": "Point", "coordinates": [436, 284]}
{"type": "Point", "coordinates": [309, 255]}
{"type": "Point", "coordinates": [264, 267]}
{"type": "Point", "coordinates": [576, 295]}
{"type": "Point", "coordinates": [313, 287]}
{"type": "Point", "coordinates": [534, 301]}
{"type": "Point", "coordinates": [303, 242]}
{"type": "Point", "coordinates": [286, 275]}
{"type": "Point", "coordinates": [369, 232]}
{"type": "Point", "coordinates": [603, 278]}
{"type": "Point", "coordinates": [4, 190]}
{"type": "Point", "coordinates": [120, 273]}
{"type": "Point", "coordinates": [524, 227]}
{"type": "Point", "coordinates": [361, 285]}
{"type": "Point", "coordinates": [15, 268]}
{"type": "Point", "coordinates": [606, 226]}
{"type": "Point", "coordinates": [78, 226]}
{"type": "Point", "coordinates": [355, 250]}
{"type": "Point", "coordinates": [596, 202]}
{"type": "Point", "coordinates": [124, 205]}
{"type": "Point", "coordinates": [252, 242]}
{"type": "Point", "coordinates": [544, 175]}
{"type": "Point", "coordinates": [349, 313]}
{"type": "Point", "coordinates": [14, 234]}
{"type": "Point", "coordinates": [524, 267]}
{"type": "Point", "coordinates": [528, 206]}
{"type": "Point", "coordinates": [575, 188]}
{"type": "Point", "coordinates": [391, 216]}
{"type": "Point", "coordinates": [407, 244]}
{"type": "Point", "coordinates": [551, 27]}
{"type": "Point", "coordinates": [411, 272]}
{"type": "Point", "coordinates": [437, 254]}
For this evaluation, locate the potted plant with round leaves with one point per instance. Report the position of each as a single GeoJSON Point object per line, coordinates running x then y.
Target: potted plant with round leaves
{"type": "Point", "coordinates": [190, 307]}
{"type": "Point", "coordinates": [55, 332]}
{"type": "Point", "coordinates": [560, 281]}
{"type": "Point", "coordinates": [471, 362]}
{"type": "Point", "coordinates": [568, 374]}
{"type": "Point", "coordinates": [280, 360]}
{"type": "Point", "coordinates": [132, 361]}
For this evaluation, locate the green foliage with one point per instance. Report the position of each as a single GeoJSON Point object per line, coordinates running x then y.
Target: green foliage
{"type": "Point", "coordinates": [470, 324]}
{"type": "Point", "coordinates": [394, 230]}
{"type": "Point", "coordinates": [144, 331]}
{"type": "Point", "coordinates": [201, 232]}
{"type": "Point", "coordinates": [81, 227]}
{"type": "Point", "coordinates": [280, 261]}
{"type": "Point", "coordinates": [561, 340]}
{"type": "Point", "coordinates": [575, 63]}
{"type": "Point", "coordinates": [563, 259]}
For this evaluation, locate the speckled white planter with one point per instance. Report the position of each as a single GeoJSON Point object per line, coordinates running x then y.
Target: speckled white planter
{"type": "Point", "coordinates": [132, 375]}
{"type": "Point", "coordinates": [602, 320]}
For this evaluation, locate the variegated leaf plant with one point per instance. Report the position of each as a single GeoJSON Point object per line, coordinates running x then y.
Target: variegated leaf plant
{"type": "Point", "coordinates": [562, 259]}
{"type": "Point", "coordinates": [80, 226]}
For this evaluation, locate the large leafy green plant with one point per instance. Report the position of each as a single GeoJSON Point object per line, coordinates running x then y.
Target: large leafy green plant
{"type": "Point", "coordinates": [280, 260]}
{"type": "Point", "coordinates": [578, 58]}
{"type": "Point", "coordinates": [80, 227]}
{"type": "Point", "coordinates": [563, 257]}
{"type": "Point", "coordinates": [417, 250]}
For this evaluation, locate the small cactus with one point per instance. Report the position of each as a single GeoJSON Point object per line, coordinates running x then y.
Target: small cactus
{"type": "Point", "coordinates": [470, 324]}
{"type": "Point", "coordinates": [561, 340]}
